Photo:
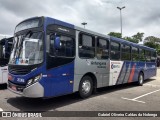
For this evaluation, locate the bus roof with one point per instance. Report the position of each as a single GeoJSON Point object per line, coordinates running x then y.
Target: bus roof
{"type": "Point", "coordinates": [58, 22]}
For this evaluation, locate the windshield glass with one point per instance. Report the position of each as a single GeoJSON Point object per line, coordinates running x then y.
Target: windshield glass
{"type": "Point", "coordinates": [28, 24]}
{"type": "Point", "coordinates": [27, 49]}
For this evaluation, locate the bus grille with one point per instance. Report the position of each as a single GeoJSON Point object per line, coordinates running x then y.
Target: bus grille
{"type": "Point", "coordinates": [19, 70]}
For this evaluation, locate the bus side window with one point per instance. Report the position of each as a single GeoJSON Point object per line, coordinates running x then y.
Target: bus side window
{"type": "Point", "coordinates": [115, 51]}
{"type": "Point", "coordinates": [67, 46]}
{"type": "Point", "coordinates": [148, 55]}
{"type": "Point", "coordinates": [153, 56]}
{"type": "Point", "coordinates": [142, 55]}
{"type": "Point", "coordinates": [135, 55]}
{"type": "Point", "coordinates": [125, 52]}
{"type": "Point", "coordinates": [86, 46]}
{"type": "Point", "coordinates": [102, 49]}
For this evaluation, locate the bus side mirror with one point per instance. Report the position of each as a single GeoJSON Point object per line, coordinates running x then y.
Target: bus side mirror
{"type": "Point", "coordinates": [57, 43]}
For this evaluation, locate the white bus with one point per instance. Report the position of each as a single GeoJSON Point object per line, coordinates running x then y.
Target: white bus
{"type": "Point", "coordinates": [5, 49]}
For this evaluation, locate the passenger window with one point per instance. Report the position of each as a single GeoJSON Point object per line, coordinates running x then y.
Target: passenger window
{"type": "Point", "coordinates": [153, 56]}
{"type": "Point", "coordinates": [67, 46]}
{"type": "Point", "coordinates": [86, 46]}
{"type": "Point", "coordinates": [102, 49]}
{"type": "Point", "coordinates": [115, 51]}
{"type": "Point", "coordinates": [142, 55]}
{"type": "Point", "coordinates": [125, 52]}
{"type": "Point", "coordinates": [135, 55]}
{"type": "Point", "coordinates": [148, 55]}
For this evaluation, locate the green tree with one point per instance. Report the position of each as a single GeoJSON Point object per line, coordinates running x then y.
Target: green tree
{"type": "Point", "coordinates": [138, 36]}
{"type": "Point", "coordinates": [152, 39]}
{"type": "Point", "coordinates": [131, 39]}
{"type": "Point", "coordinates": [150, 44]}
{"type": "Point", "coordinates": [115, 34]}
{"type": "Point", "coordinates": [135, 38]}
{"type": "Point", "coordinates": [153, 42]}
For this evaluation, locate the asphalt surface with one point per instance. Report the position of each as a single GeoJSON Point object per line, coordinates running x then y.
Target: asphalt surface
{"type": "Point", "coordinates": [128, 97]}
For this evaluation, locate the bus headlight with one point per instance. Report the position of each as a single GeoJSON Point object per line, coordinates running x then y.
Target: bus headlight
{"type": "Point", "coordinates": [34, 80]}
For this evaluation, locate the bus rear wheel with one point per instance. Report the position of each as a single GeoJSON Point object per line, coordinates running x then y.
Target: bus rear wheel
{"type": "Point", "coordinates": [86, 87]}
{"type": "Point", "coordinates": [140, 79]}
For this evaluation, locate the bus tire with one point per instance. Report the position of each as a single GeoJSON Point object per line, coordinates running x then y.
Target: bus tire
{"type": "Point", "coordinates": [85, 87]}
{"type": "Point", "coordinates": [140, 79]}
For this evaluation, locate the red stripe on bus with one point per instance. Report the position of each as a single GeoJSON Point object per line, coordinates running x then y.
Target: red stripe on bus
{"type": "Point", "coordinates": [131, 74]}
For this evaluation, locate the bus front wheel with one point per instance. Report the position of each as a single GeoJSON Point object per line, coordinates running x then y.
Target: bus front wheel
{"type": "Point", "coordinates": [140, 79]}
{"type": "Point", "coordinates": [86, 87]}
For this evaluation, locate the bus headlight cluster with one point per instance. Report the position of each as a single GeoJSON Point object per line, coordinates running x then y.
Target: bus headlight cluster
{"type": "Point", "coordinates": [34, 80]}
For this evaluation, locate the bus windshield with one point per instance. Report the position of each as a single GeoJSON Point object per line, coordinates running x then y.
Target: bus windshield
{"type": "Point", "coordinates": [27, 49]}
{"type": "Point", "coordinates": [28, 24]}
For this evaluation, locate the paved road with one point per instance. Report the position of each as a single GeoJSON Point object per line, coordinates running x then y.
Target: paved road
{"type": "Point", "coordinates": [117, 98]}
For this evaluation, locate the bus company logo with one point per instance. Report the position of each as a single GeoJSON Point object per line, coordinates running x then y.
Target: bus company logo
{"type": "Point", "coordinates": [99, 64]}
{"type": "Point", "coordinates": [114, 66]}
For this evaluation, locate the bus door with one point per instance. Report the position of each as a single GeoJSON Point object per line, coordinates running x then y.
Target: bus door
{"type": "Point", "coordinates": [60, 60]}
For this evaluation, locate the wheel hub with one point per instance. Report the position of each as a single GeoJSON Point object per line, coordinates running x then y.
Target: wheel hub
{"type": "Point", "coordinates": [86, 86]}
{"type": "Point", "coordinates": [140, 78]}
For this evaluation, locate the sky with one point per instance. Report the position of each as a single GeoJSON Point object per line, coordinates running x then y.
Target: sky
{"type": "Point", "coordinates": [102, 16]}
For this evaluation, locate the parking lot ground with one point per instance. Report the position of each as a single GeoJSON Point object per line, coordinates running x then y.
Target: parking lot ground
{"type": "Point", "coordinates": [128, 97]}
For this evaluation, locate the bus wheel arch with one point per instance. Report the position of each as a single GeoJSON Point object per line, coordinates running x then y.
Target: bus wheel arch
{"type": "Point", "coordinates": [93, 82]}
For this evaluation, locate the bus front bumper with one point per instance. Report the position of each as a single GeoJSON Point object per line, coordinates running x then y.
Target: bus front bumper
{"type": "Point", "coordinates": [35, 90]}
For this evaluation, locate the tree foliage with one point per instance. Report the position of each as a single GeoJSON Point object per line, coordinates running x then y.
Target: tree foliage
{"type": "Point", "coordinates": [152, 39]}
{"type": "Point", "coordinates": [138, 36]}
{"type": "Point", "coordinates": [135, 38]}
{"type": "Point", "coordinates": [115, 34]}
{"type": "Point", "coordinates": [131, 39]}
{"type": "Point", "coordinates": [153, 42]}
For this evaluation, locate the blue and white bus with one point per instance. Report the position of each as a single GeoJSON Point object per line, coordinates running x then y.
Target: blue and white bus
{"type": "Point", "coordinates": [53, 58]}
